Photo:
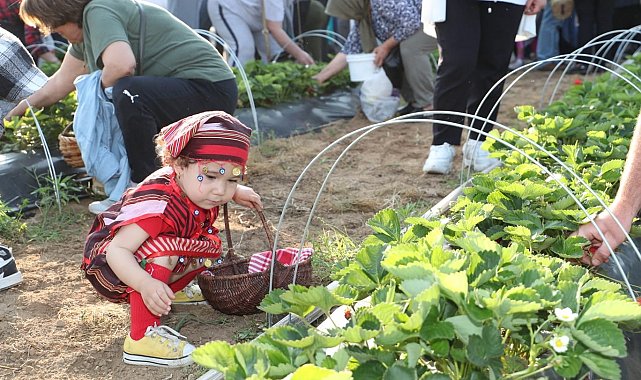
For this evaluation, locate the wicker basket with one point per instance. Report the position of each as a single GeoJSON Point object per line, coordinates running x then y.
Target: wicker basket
{"type": "Point", "coordinates": [230, 289]}
{"type": "Point", "coordinates": [68, 146]}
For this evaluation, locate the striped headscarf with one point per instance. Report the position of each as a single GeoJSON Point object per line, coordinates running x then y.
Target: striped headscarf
{"type": "Point", "coordinates": [209, 136]}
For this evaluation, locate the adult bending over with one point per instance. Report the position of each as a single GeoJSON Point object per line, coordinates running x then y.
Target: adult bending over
{"type": "Point", "coordinates": [183, 74]}
{"type": "Point", "coordinates": [476, 41]}
{"type": "Point", "coordinates": [394, 23]}
{"type": "Point", "coordinates": [240, 24]}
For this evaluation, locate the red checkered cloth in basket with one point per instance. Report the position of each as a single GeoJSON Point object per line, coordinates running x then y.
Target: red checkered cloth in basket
{"type": "Point", "coordinates": [261, 261]}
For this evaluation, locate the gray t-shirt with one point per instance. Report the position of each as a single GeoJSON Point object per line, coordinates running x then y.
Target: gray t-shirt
{"type": "Point", "coordinates": [274, 9]}
{"type": "Point", "coordinates": [171, 49]}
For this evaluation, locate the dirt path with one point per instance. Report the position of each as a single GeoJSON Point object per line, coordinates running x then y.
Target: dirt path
{"type": "Point", "coordinates": [53, 326]}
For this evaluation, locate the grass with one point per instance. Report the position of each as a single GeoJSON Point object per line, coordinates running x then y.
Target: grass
{"type": "Point", "coordinates": [53, 222]}
{"type": "Point", "coordinates": [249, 333]}
{"type": "Point", "coordinates": [331, 248]}
{"type": "Point", "coordinates": [178, 320]}
{"type": "Point", "coordinates": [10, 228]}
{"type": "Point", "coordinates": [55, 225]}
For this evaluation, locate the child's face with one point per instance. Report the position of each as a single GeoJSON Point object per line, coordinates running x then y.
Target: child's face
{"type": "Point", "coordinates": [209, 184]}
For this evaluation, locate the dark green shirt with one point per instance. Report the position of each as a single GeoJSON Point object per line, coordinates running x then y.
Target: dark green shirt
{"type": "Point", "coordinates": [171, 48]}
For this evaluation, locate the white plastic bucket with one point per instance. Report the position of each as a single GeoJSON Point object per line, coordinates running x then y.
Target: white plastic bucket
{"type": "Point", "coordinates": [361, 66]}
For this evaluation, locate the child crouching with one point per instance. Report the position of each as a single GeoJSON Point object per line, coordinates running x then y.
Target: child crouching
{"type": "Point", "coordinates": [154, 241]}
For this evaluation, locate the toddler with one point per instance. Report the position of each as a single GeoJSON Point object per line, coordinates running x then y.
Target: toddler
{"type": "Point", "coordinates": [155, 240]}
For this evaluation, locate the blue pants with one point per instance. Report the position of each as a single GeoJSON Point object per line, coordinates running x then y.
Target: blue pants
{"type": "Point", "coordinates": [547, 44]}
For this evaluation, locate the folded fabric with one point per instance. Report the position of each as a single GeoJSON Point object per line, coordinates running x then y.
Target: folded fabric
{"type": "Point", "coordinates": [261, 261]}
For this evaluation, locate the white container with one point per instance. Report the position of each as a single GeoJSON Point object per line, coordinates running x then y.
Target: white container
{"type": "Point", "coordinates": [361, 66]}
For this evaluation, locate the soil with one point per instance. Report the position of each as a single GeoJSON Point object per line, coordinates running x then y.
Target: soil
{"type": "Point", "coordinates": [54, 326]}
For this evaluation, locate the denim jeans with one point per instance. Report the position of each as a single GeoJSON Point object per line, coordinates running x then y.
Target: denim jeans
{"type": "Point", "coordinates": [547, 45]}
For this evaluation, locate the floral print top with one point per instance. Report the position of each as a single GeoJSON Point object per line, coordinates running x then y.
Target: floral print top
{"type": "Point", "coordinates": [390, 18]}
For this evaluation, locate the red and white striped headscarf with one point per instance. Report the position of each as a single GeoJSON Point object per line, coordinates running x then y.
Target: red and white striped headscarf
{"type": "Point", "coordinates": [209, 136]}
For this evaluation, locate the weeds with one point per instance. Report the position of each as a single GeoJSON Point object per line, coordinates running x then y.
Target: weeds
{"type": "Point", "coordinates": [331, 248]}
{"type": "Point", "coordinates": [55, 225]}
{"type": "Point", "coordinates": [247, 334]}
{"type": "Point", "coordinates": [68, 189]}
{"type": "Point", "coordinates": [10, 227]}
{"type": "Point", "coordinates": [417, 208]}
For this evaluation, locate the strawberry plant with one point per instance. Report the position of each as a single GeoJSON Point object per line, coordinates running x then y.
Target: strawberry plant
{"type": "Point", "coordinates": [279, 82]}
{"type": "Point", "coordinates": [21, 132]}
{"type": "Point", "coordinates": [424, 309]}
{"type": "Point", "coordinates": [485, 292]}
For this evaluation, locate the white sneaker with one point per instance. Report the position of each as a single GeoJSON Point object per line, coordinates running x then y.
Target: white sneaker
{"type": "Point", "coordinates": [478, 157]}
{"type": "Point", "coordinates": [99, 206]}
{"type": "Point", "coordinates": [440, 159]}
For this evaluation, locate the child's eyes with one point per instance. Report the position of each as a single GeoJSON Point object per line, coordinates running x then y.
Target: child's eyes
{"type": "Point", "coordinates": [213, 178]}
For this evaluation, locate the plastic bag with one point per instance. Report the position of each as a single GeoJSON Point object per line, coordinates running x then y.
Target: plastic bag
{"type": "Point", "coordinates": [378, 100]}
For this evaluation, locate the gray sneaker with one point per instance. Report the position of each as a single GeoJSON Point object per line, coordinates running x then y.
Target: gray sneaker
{"type": "Point", "coordinates": [99, 206]}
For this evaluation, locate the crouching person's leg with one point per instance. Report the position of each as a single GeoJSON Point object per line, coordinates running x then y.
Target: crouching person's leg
{"type": "Point", "coordinates": [185, 286]}
{"type": "Point", "coordinates": [149, 342]}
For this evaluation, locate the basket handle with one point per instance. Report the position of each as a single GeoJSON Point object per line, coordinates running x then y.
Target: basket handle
{"type": "Point", "coordinates": [230, 246]}
{"type": "Point", "coordinates": [65, 131]}
{"type": "Point", "coordinates": [231, 252]}
{"type": "Point", "coordinates": [280, 271]}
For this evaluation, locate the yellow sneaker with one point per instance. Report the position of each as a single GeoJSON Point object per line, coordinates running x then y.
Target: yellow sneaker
{"type": "Point", "coordinates": [161, 346]}
{"type": "Point", "coordinates": [191, 295]}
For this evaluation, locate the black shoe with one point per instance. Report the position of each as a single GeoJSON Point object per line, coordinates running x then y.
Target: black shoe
{"type": "Point", "coordinates": [9, 273]}
{"type": "Point", "coordinates": [578, 68]}
{"type": "Point", "coordinates": [549, 66]}
{"type": "Point", "coordinates": [408, 109]}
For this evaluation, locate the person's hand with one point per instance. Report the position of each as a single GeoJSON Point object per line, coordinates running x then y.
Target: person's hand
{"type": "Point", "coordinates": [48, 57]}
{"type": "Point", "coordinates": [304, 58]}
{"type": "Point", "coordinates": [18, 110]}
{"type": "Point", "coordinates": [533, 7]}
{"type": "Point", "coordinates": [319, 78]}
{"type": "Point", "coordinates": [598, 253]}
{"type": "Point", "coordinates": [246, 196]}
{"type": "Point", "coordinates": [157, 296]}
{"type": "Point", "coordinates": [380, 53]}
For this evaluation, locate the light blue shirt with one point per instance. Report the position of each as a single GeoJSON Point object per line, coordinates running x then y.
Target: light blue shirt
{"type": "Point", "coordinates": [99, 136]}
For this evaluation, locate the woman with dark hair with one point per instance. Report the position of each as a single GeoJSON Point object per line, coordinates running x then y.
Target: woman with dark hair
{"type": "Point", "coordinates": [175, 73]}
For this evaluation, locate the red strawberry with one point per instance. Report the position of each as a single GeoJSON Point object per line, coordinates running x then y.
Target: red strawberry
{"type": "Point", "coordinates": [639, 301]}
{"type": "Point", "coordinates": [348, 314]}
{"type": "Point", "coordinates": [578, 82]}
{"type": "Point", "coordinates": [593, 249]}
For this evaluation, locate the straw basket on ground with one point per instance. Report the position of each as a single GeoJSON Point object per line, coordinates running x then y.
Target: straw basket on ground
{"type": "Point", "coordinates": [231, 289]}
